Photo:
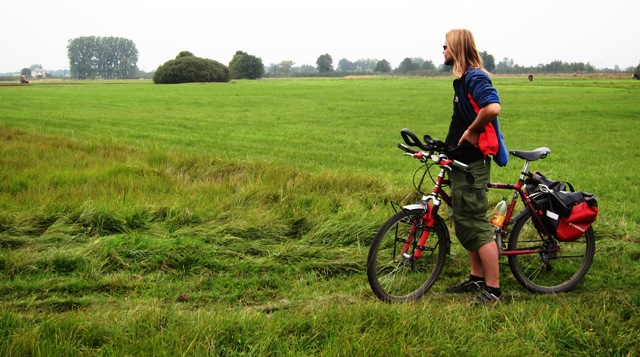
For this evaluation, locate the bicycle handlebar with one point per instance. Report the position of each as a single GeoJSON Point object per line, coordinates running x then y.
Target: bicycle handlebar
{"type": "Point", "coordinates": [429, 148]}
{"type": "Point", "coordinates": [429, 144]}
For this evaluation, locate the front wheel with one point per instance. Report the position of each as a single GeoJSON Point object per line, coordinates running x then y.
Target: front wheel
{"type": "Point", "coordinates": [394, 272]}
{"type": "Point", "coordinates": [555, 266]}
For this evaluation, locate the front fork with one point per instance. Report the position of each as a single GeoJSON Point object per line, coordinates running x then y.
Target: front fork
{"type": "Point", "coordinates": [430, 211]}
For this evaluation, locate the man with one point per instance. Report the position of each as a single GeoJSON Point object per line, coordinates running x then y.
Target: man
{"type": "Point", "coordinates": [474, 126]}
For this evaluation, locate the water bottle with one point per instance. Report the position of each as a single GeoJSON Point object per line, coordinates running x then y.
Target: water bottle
{"type": "Point", "coordinates": [497, 219]}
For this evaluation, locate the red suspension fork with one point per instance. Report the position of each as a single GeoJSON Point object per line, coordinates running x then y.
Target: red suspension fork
{"type": "Point", "coordinates": [427, 218]}
{"type": "Point", "coordinates": [428, 221]}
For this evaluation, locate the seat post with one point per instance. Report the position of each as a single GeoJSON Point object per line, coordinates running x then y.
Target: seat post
{"type": "Point", "coordinates": [525, 170]}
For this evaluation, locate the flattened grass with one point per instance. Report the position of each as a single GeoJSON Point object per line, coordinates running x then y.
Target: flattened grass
{"type": "Point", "coordinates": [232, 219]}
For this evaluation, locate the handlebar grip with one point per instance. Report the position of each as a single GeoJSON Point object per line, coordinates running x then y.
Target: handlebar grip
{"type": "Point", "coordinates": [461, 166]}
{"type": "Point", "coordinates": [407, 149]}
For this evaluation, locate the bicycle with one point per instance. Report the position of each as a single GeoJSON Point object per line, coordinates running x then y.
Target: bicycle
{"type": "Point", "coordinates": [405, 260]}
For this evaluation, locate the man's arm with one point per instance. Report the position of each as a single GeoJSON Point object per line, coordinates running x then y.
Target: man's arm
{"type": "Point", "coordinates": [484, 117]}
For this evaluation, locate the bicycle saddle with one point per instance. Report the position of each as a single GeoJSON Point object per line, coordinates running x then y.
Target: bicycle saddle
{"type": "Point", "coordinates": [539, 153]}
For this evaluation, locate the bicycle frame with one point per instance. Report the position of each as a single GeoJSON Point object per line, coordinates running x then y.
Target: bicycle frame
{"type": "Point", "coordinates": [431, 204]}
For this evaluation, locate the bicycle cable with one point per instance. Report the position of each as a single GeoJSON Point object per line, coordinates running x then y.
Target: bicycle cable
{"type": "Point", "coordinates": [427, 170]}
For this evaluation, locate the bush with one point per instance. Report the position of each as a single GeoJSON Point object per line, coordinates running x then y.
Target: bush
{"type": "Point", "coordinates": [188, 69]}
{"type": "Point", "coordinates": [246, 66]}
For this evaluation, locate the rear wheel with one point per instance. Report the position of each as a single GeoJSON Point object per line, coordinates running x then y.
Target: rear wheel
{"type": "Point", "coordinates": [556, 266]}
{"type": "Point", "coordinates": [394, 276]}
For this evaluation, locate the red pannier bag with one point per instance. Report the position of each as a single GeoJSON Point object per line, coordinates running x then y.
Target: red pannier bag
{"type": "Point", "coordinates": [568, 214]}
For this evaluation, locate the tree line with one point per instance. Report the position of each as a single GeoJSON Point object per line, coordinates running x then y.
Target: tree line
{"type": "Point", "coordinates": [324, 67]}
{"type": "Point", "coordinates": [420, 67]}
{"type": "Point", "coordinates": [93, 57]}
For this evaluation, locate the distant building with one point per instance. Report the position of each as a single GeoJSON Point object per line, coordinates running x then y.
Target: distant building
{"type": "Point", "coordinates": [39, 73]}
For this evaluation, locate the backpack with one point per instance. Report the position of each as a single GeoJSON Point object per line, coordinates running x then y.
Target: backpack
{"type": "Point", "coordinates": [567, 214]}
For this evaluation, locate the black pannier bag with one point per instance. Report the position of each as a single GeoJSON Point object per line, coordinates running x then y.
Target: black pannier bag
{"type": "Point", "coordinates": [537, 179]}
{"type": "Point", "coordinates": [567, 215]}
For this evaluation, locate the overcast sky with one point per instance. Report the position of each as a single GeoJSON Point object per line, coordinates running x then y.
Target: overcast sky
{"type": "Point", "coordinates": [603, 33]}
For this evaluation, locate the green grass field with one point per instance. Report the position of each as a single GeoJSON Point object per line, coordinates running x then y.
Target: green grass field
{"type": "Point", "coordinates": [235, 219]}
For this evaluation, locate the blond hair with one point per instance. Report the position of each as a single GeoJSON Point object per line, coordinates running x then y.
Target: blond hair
{"type": "Point", "coordinates": [462, 47]}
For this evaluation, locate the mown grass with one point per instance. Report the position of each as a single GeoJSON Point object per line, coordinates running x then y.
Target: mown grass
{"type": "Point", "coordinates": [234, 219]}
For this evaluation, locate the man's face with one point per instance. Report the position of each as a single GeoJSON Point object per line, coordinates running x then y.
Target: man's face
{"type": "Point", "coordinates": [448, 58]}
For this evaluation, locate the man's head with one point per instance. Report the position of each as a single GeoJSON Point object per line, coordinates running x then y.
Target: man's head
{"type": "Point", "coordinates": [460, 51]}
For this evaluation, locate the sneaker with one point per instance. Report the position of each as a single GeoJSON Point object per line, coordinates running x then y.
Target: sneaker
{"type": "Point", "coordinates": [466, 287]}
{"type": "Point", "coordinates": [486, 298]}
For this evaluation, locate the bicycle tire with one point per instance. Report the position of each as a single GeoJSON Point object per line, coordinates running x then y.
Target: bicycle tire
{"type": "Point", "coordinates": [394, 278]}
{"type": "Point", "coordinates": [557, 267]}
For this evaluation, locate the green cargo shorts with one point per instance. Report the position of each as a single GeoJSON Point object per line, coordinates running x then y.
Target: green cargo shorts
{"type": "Point", "coordinates": [470, 204]}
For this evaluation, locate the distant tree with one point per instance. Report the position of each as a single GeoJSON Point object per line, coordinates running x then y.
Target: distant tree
{"type": "Point", "coordinates": [283, 68]}
{"type": "Point", "coordinates": [407, 65]}
{"type": "Point", "coordinates": [344, 65]}
{"type": "Point", "coordinates": [556, 67]}
{"type": "Point", "coordinates": [188, 69]}
{"type": "Point", "coordinates": [366, 65]}
{"type": "Point", "coordinates": [324, 63]}
{"type": "Point", "coordinates": [505, 65]}
{"type": "Point", "coordinates": [488, 61]}
{"type": "Point", "coordinates": [82, 53]}
{"type": "Point", "coordinates": [102, 57]}
{"type": "Point", "coordinates": [26, 72]}
{"type": "Point", "coordinates": [246, 66]}
{"type": "Point", "coordinates": [307, 68]}
{"type": "Point", "coordinates": [417, 62]}
{"type": "Point", "coordinates": [35, 66]}
{"type": "Point", "coordinates": [638, 70]}
{"type": "Point", "coordinates": [383, 66]}
{"type": "Point", "coordinates": [428, 65]}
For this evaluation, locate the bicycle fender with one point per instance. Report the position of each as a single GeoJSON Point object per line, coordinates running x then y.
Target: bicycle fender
{"type": "Point", "coordinates": [414, 206]}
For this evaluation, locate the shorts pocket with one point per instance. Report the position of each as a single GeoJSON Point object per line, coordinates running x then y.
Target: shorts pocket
{"type": "Point", "coordinates": [473, 202]}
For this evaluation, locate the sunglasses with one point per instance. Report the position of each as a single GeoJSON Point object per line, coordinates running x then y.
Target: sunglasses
{"type": "Point", "coordinates": [444, 47]}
